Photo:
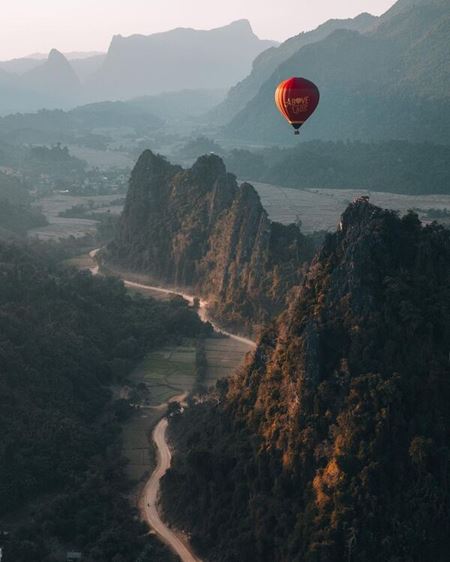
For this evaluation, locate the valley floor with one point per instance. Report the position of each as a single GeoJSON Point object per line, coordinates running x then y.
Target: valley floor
{"type": "Point", "coordinates": [168, 374]}
{"type": "Point", "coordinates": [320, 209]}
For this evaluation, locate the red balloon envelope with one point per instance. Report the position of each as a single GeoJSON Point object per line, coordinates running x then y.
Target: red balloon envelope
{"type": "Point", "coordinates": [297, 99]}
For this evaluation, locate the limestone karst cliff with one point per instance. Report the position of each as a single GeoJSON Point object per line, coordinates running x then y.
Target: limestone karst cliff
{"type": "Point", "coordinates": [198, 228]}
{"type": "Point", "coordinates": [331, 444]}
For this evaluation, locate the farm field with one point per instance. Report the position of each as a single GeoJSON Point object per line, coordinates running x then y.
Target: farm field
{"type": "Point", "coordinates": [81, 262]}
{"type": "Point", "coordinates": [164, 374]}
{"type": "Point", "coordinates": [102, 159]}
{"type": "Point", "coordinates": [136, 444]}
{"type": "Point", "coordinates": [160, 376]}
{"type": "Point", "coordinates": [320, 209]}
{"type": "Point", "coordinates": [167, 372]}
{"type": "Point", "coordinates": [223, 355]}
{"type": "Point", "coordinates": [62, 227]}
{"type": "Point", "coordinates": [317, 209]}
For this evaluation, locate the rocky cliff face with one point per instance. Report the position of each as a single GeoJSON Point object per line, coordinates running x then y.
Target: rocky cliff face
{"type": "Point", "coordinates": [199, 228]}
{"type": "Point", "coordinates": [332, 443]}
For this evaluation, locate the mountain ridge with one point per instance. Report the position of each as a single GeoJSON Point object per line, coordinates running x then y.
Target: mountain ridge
{"type": "Point", "coordinates": [374, 86]}
{"type": "Point", "coordinates": [338, 419]}
{"type": "Point", "coordinates": [198, 228]}
{"type": "Point", "coordinates": [265, 63]}
{"type": "Point", "coordinates": [180, 58]}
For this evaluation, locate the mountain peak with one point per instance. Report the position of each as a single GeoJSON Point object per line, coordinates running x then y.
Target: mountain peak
{"type": "Point", "coordinates": [55, 78]}
{"type": "Point", "coordinates": [151, 165]}
{"type": "Point", "coordinates": [339, 400]}
{"type": "Point", "coordinates": [243, 24]}
{"type": "Point", "coordinates": [56, 56]}
{"type": "Point", "coordinates": [149, 158]}
{"type": "Point", "coordinates": [359, 212]}
{"type": "Point", "coordinates": [407, 48]}
{"type": "Point", "coordinates": [198, 228]}
{"type": "Point", "coordinates": [209, 166]}
{"type": "Point", "coordinates": [218, 59]}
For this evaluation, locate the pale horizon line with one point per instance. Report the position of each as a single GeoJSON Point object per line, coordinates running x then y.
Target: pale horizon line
{"type": "Point", "coordinates": [97, 51]}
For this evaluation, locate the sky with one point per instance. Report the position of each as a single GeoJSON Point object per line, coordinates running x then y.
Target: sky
{"type": "Point", "coordinates": [29, 26]}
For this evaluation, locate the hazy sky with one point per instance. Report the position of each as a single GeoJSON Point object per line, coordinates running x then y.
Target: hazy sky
{"type": "Point", "coordinates": [27, 26]}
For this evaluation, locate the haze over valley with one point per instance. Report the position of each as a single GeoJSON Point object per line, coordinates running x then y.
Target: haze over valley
{"type": "Point", "coordinates": [222, 341]}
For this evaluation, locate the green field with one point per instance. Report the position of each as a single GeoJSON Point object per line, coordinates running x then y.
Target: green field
{"type": "Point", "coordinates": [63, 227]}
{"type": "Point", "coordinates": [167, 372]}
{"type": "Point", "coordinates": [223, 355]}
{"type": "Point", "coordinates": [81, 262]}
{"type": "Point", "coordinates": [321, 209]}
{"type": "Point", "coordinates": [160, 376]}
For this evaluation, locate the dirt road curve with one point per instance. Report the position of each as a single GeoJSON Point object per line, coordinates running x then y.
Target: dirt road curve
{"type": "Point", "coordinates": [149, 498]}
{"type": "Point", "coordinates": [202, 312]}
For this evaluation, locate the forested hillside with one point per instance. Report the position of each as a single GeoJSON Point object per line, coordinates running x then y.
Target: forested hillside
{"type": "Point", "coordinates": [269, 60]}
{"type": "Point", "coordinates": [332, 443]}
{"type": "Point", "coordinates": [198, 228]}
{"type": "Point", "coordinates": [389, 83]}
{"type": "Point", "coordinates": [65, 337]}
{"type": "Point", "coordinates": [77, 125]}
{"type": "Point", "coordinates": [16, 213]}
{"type": "Point", "coordinates": [393, 166]}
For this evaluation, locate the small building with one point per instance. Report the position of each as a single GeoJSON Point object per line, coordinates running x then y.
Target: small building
{"type": "Point", "coordinates": [73, 556]}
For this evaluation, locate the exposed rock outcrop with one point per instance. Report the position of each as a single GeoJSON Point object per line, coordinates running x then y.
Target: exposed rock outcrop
{"type": "Point", "coordinates": [332, 443]}
{"type": "Point", "coordinates": [198, 228]}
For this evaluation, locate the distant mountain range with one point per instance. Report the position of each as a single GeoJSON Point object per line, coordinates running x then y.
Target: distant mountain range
{"type": "Point", "coordinates": [388, 79]}
{"type": "Point", "coordinates": [71, 55]}
{"type": "Point", "coordinates": [269, 60]}
{"type": "Point", "coordinates": [55, 79]}
{"type": "Point", "coordinates": [76, 125]}
{"type": "Point", "coordinates": [144, 115]}
{"type": "Point", "coordinates": [176, 60]}
{"type": "Point", "coordinates": [84, 64]}
{"type": "Point", "coordinates": [381, 78]}
{"type": "Point", "coordinates": [52, 83]}
{"type": "Point", "coordinates": [180, 59]}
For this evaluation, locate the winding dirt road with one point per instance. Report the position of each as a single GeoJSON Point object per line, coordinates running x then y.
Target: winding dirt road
{"type": "Point", "coordinates": [202, 312]}
{"type": "Point", "coordinates": [149, 498]}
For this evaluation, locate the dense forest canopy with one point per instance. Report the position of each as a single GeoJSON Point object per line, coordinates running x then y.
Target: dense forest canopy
{"type": "Point", "coordinates": [392, 166]}
{"type": "Point", "coordinates": [332, 443]}
{"type": "Point", "coordinates": [65, 337]}
{"type": "Point", "coordinates": [16, 213]}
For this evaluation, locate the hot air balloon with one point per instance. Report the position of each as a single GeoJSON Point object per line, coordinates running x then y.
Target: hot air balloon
{"type": "Point", "coordinates": [297, 99]}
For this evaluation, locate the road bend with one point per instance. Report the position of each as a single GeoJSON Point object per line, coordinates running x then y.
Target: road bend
{"type": "Point", "coordinates": [149, 499]}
